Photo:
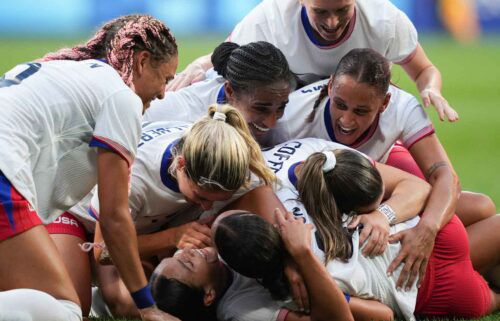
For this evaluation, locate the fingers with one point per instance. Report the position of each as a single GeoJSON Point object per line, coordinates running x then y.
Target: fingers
{"type": "Point", "coordinates": [280, 217]}
{"type": "Point", "coordinates": [354, 222]}
{"type": "Point", "coordinates": [298, 288]}
{"type": "Point", "coordinates": [405, 272]}
{"type": "Point", "coordinates": [423, 269]}
{"type": "Point", "coordinates": [371, 243]}
{"type": "Point", "coordinates": [415, 271]}
{"type": "Point", "coordinates": [395, 238]}
{"type": "Point", "coordinates": [426, 100]}
{"type": "Point", "coordinates": [365, 233]}
{"type": "Point", "coordinates": [396, 262]}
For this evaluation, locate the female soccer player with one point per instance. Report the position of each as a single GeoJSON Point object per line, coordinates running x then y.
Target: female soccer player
{"type": "Point", "coordinates": [315, 34]}
{"type": "Point", "coordinates": [55, 113]}
{"type": "Point", "coordinates": [178, 166]}
{"type": "Point", "coordinates": [327, 189]}
{"type": "Point", "coordinates": [254, 78]}
{"type": "Point", "coordinates": [364, 112]}
{"type": "Point", "coordinates": [408, 196]}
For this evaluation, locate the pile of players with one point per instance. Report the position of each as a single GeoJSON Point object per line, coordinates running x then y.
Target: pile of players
{"type": "Point", "coordinates": [282, 177]}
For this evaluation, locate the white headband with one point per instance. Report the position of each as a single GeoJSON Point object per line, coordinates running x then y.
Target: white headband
{"type": "Point", "coordinates": [219, 116]}
{"type": "Point", "coordinates": [330, 161]}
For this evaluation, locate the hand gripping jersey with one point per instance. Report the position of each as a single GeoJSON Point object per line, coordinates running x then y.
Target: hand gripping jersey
{"type": "Point", "coordinates": [53, 113]}
{"type": "Point", "coordinates": [155, 199]}
{"type": "Point", "coordinates": [404, 119]}
{"type": "Point", "coordinates": [189, 103]}
{"type": "Point", "coordinates": [376, 24]}
{"type": "Point", "coordinates": [361, 276]}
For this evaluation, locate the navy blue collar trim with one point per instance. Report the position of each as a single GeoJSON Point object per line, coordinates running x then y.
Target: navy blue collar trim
{"type": "Point", "coordinates": [308, 28]}
{"type": "Point", "coordinates": [291, 174]}
{"type": "Point", "coordinates": [166, 160]}
{"type": "Point", "coordinates": [221, 96]}
{"type": "Point", "coordinates": [328, 122]}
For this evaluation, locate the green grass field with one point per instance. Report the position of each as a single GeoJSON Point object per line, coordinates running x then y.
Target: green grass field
{"type": "Point", "coordinates": [470, 85]}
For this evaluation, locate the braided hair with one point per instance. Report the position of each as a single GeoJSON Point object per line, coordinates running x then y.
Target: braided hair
{"type": "Point", "coordinates": [119, 39]}
{"type": "Point", "coordinates": [252, 65]}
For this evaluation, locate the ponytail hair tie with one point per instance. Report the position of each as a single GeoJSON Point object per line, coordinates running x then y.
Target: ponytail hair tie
{"type": "Point", "coordinates": [219, 116]}
{"type": "Point", "coordinates": [330, 161]}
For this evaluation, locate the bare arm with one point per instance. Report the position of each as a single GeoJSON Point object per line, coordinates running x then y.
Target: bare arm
{"type": "Point", "coordinates": [406, 194]}
{"type": "Point", "coordinates": [417, 243]}
{"type": "Point", "coordinates": [194, 72]}
{"type": "Point", "coordinates": [326, 299]}
{"type": "Point", "coordinates": [261, 200]}
{"type": "Point", "coordinates": [428, 81]}
{"type": "Point", "coordinates": [189, 235]}
{"type": "Point", "coordinates": [434, 163]}
{"type": "Point", "coordinates": [116, 224]}
{"type": "Point", "coordinates": [118, 229]}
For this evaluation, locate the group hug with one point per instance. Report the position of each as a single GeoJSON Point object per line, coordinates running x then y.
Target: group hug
{"type": "Point", "coordinates": [282, 177]}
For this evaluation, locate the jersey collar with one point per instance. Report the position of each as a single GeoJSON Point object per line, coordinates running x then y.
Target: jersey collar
{"type": "Point", "coordinates": [221, 96]}
{"type": "Point", "coordinates": [312, 37]}
{"type": "Point", "coordinates": [167, 179]}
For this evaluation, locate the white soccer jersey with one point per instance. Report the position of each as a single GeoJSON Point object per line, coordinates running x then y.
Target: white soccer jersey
{"type": "Point", "coordinates": [360, 276]}
{"type": "Point", "coordinates": [189, 103]}
{"type": "Point", "coordinates": [376, 24]}
{"type": "Point", "coordinates": [155, 199]}
{"type": "Point", "coordinates": [53, 113]}
{"type": "Point", "coordinates": [404, 119]}
{"type": "Point", "coordinates": [247, 300]}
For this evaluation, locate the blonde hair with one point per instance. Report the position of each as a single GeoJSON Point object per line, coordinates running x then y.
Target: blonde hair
{"type": "Point", "coordinates": [220, 152]}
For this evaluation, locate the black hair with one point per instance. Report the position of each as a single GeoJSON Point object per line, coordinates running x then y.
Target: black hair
{"type": "Point", "coordinates": [180, 300]}
{"type": "Point", "coordinates": [252, 65]}
{"type": "Point", "coordinates": [364, 65]}
{"type": "Point", "coordinates": [253, 247]}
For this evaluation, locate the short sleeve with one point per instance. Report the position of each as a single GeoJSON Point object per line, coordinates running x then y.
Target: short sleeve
{"type": "Point", "coordinates": [250, 28]}
{"type": "Point", "coordinates": [403, 47]}
{"type": "Point", "coordinates": [417, 124]}
{"type": "Point", "coordinates": [118, 124]}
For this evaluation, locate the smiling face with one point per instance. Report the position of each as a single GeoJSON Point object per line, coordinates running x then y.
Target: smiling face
{"type": "Point", "coordinates": [354, 107]}
{"type": "Point", "coordinates": [198, 269]}
{"type": "Point", "coordinates": [329, 18]}
{"type": "Point", "coordinates": [151, 77]}
{"type": "Point", "coordinates": [194, 193]}
{"type": "Point", "coordinates": [262, 106]}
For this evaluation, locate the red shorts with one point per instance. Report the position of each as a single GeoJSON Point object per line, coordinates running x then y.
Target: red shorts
{"type": "Point", "coordinates": [401, 158]}
{"type": "Point", "coordinates": [451, 287]}
{"type": "Point", "coordinates": [67, 224]}
{"type": "Point", "coordinates": [16, 213]}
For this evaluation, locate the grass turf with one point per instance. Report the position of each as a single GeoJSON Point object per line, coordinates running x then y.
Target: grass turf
{"type": "Point", "coordinates": [469, 84]}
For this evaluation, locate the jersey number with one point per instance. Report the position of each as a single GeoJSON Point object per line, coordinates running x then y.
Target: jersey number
{"type": "Point", "coordinates": [32, 68]}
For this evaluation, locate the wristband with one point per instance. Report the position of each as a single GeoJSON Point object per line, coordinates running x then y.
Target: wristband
{"type": "Point", "coordinates": [388, 212]}
{"type": "Point", "coordinates": [143, 297]}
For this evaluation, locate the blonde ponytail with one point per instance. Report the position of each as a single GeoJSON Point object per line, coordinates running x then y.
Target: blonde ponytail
{"type": "Point", "coordinates": [220, 151]}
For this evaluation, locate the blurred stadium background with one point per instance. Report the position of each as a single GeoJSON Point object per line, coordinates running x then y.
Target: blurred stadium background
{"type": "Point", "coordinates": [31, 28]}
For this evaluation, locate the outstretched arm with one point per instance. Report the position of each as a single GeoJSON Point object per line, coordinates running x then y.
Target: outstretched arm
{"type": "Point", "coordinates": [118, 229]}
{"type": "Point", "coordinates": [194, 72]}
{"type": "Point", "coordinates": [428, 80]}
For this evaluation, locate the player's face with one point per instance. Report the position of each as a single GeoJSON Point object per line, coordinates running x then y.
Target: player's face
{"type": "Point", "coordinates": [194, 267]}
{"type": "Point", "coordinates": [262, 107]}
{"type": "Point", "coordinates": [196, 195]}
{"type": "Point", "coordinates": [150, 82]}
{"type": "Point", "coordinates": [354, 107]}
{"type": "Point", "coordinates": [329, 18]}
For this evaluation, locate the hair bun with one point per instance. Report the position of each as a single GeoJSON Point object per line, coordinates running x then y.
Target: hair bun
{"type": "Point", "coordinates": [221, 55]}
